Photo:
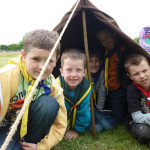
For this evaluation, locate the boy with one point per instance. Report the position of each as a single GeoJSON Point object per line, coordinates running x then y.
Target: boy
{"type": "Point", "coordinates": [116, 80]}
{"type": "Point", "coordinates": [138, 94]}
{"type": "Point", "coordinates": [77, 91]}
{"type": "Point", "coordinates": [103, 119]}
{"type": "Point", "coordinates": [47, 116]}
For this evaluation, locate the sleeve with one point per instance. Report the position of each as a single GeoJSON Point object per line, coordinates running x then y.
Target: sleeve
{"type": "Point", "coordinates": [9, 80]}
{"type": "Point", "coordinates": [102, 92]}
{"type": "Point", "coordinates": [123, 79]}
{"type": "Point", "coordinates": [83, 116]}
{"type": "Point", "coordinates": [139, 117]}
{"type": "Point", "coordinates": [133, 99]}
{"type": "Point", "coordinates": [1, 101]}
{"type": "Point", "coordinates": [59, 126]}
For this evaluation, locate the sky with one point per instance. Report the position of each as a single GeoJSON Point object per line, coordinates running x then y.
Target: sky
{"type": "Point", "coordinates": [19, 17]}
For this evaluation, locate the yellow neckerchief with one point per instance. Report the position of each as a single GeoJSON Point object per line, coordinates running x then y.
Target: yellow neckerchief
{"type": "Point", "coordinates": [93, 91]}
{"type": "Point", "coordinates": [74, 107]}
{"type": "Point", "coordinates": [28, 78]}
{"type": "Point", "coordinates": [106, 70]}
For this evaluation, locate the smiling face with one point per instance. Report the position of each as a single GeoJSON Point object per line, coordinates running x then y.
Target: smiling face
{"type": "Point", "coordinates": [95, 64]}
{"type": "Point", "coordinates": [73, 72]}
{"type": "Point", "coordinates": [140, 74]}
{"type": "Point", "coordinates": [107, 39]}
{"type": "Point", "coordinates": [35, 60]}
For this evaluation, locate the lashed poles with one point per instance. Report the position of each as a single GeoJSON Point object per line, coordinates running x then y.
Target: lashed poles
{"type": "Point", "coordinates": [88, 69]}
{"type": "Point", "coordinates": [14, 126]}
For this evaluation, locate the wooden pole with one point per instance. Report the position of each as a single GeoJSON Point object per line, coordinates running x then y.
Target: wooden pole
{"type": "Point", "coordinates": [88, 69]}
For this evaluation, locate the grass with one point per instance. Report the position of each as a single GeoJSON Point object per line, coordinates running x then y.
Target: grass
{"type": "Point", "coordinates": [5, 56]}
{"type": "Point", "coordinates": [117, 139]}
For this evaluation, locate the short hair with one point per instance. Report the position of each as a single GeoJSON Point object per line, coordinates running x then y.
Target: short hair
{"type": "Point", "coordinates": [105, 28]}
{"type": "Point", "coordinates": [134, 59]}
{"type": "Point", "coordinates": [43, 39]}
{"type": "Point", "coordinates": [74, 54]}
{"type": "Point", "coordinates": [97, 53]}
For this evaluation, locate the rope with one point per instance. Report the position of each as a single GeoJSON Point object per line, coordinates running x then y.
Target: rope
{"type": "Point", "coordinates": [14, 126]}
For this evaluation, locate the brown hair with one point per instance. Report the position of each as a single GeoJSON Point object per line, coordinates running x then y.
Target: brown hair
{"type": "Point", "coordinates": [74, 54]}
{"type": "Point", "coordinates": [43, 39]}
{"type": "Point", "coordinates": [134, 59]}
{"type": "Point", "coordinates": [105, 28]}
{"type": "Point", "coordinates": [97, 53]}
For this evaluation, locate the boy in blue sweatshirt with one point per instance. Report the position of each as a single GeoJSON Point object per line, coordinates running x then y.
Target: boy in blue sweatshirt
{"type": "Point", "coordinates": [76, 90]}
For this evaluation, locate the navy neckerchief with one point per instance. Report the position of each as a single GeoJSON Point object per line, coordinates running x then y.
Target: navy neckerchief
{"type": "Point", "coordinates": [47, 90]}
{"type": "Point", "coordinates": [112, 51]}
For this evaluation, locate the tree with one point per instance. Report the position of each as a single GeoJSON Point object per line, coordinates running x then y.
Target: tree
{"type": "Point", "coordinates": [137, 39]}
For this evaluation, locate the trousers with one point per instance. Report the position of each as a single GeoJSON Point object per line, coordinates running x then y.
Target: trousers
{"type": "Point", "coordinates": [42, 114]}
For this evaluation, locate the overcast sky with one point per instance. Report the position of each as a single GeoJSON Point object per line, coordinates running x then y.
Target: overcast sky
{"type": "Point", "coordinates": [21, 16]}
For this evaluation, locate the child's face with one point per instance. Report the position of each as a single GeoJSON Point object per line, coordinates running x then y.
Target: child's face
{"type": "Point", "coordinates": [35, 60]}
{"type": "Point", "coordinates": [73, 72]}
{"type": "Point", "coordinates": [107, 39]}
{"type": "Point", "coordinates": [140, 74]}
{"type": "Point", "coordinates": [95, 64]}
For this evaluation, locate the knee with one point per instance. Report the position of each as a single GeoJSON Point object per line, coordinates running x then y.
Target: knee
{"type": "Point", "coordinates": [98, 128]}
{"type": "Point", "coordinates": [142, 133]}
{"type": "Point", "coordinates": [45, 105]}
{"type": "Point", "coordinates": [144, 130]}
{"type": "Point", "coordinates": [50, 105]}
{"type": "Point", "coordinates": [109, 126]}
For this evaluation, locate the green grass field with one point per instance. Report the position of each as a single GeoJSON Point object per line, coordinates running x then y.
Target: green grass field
{"type": "Point", "coordinates": [5, 56]}
{"type": "Point", "coordinates": [117, 139]}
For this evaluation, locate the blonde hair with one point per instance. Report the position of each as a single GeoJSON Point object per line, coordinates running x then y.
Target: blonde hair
{"type": "Point", "coordinates": [74, 54]}
{"type": "Point", "coordinates": [43, 39]}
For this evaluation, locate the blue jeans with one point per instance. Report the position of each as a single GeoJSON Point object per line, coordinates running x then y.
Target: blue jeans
{"type": "Point", "coordinates": [42, 114]}
{"type": "Point", "coordinates": [103, 121]}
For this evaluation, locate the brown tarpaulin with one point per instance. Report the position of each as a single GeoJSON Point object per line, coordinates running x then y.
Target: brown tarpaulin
{"type": "Point", "coordinates": [73, 36]}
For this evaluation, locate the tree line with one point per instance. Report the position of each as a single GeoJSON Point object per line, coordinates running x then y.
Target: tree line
{"type": "Point", "coordinates": [13, 46]}
{"type": "Point", "coordinates": [19, 45]}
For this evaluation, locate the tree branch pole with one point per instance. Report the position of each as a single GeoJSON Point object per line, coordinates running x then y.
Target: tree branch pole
{"type": "Point", "coordinates": [88, 69]}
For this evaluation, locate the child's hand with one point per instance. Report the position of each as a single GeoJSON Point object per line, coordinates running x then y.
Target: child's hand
{"type": "Point", "coordinates": [28, 146]}
{"type": "Point", "coordinates": [71, 134]}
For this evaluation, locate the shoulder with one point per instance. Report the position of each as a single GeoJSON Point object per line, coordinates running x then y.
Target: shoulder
{"type": "Point", "coordinates": [56, 89]}
{"type": "Point", "coordinates": [133, 92]}
{"type": "Point", "coordinates": [9, 68]}
{"type": "Point", "coordinates": [85, 81]}
{"type": "Point", "coordinates": [131, 88]}
{"type": "Point", "coordinates": [10, 72]}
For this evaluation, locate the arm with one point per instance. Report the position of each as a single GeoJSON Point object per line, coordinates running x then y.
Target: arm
{"type": "Point", "coordinates": [133, 99]}
{"type": "Point", "coordinates": [139, 117]}
{"type": "Point", "coordinates": [102, 92]}
{"type": "Point", "coordinates": [58, 128]}
{"type": "Point", "coordinates": [9, 80]}
{"type": "Point", "coordinates": [1, 98]}
{"type": "Point", "coordinates": [83, 115]}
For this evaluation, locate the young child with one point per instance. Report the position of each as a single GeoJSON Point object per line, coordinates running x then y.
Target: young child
{"type": "Point", "coordinates": [103, 118]}
{"type": "Point", "coordinates": [77, 91]}
{"type": "Point", "coordinates": [138, 95]}
{"type": "Point", "coordinates": [47, 115]}
{"type": "Point", "coordinates": [116, 80]}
